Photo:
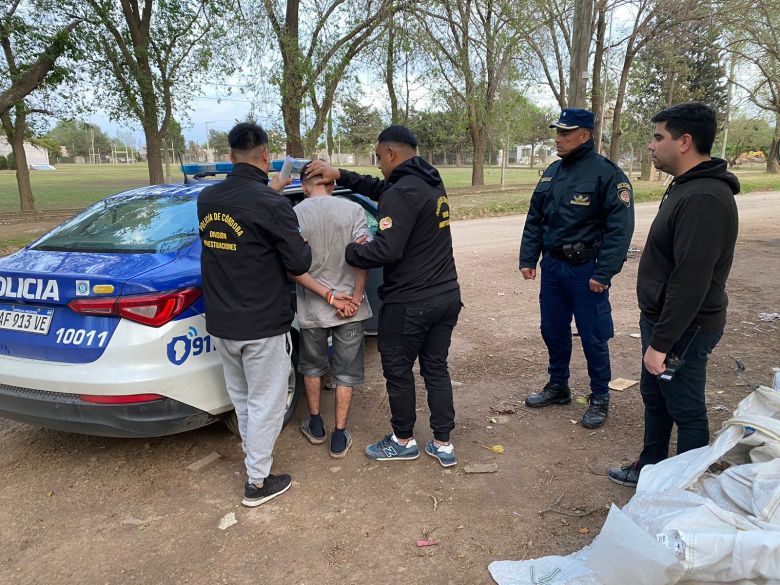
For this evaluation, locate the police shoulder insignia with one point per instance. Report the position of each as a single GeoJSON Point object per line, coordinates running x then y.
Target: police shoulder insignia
{"type": "Point", "coordinates": [545, 179]}
{"type": "Point", "coordinates": [622, 186]}
{"type": "Point", "coordinates": [385, 223]}
{"type": "Point", "coordinates": [625, 196]}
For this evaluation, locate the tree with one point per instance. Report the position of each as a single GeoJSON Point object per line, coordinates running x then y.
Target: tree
{"type": "Point", "coordinates": [749, 134]}
{"type": "Point", "coordinates": [754, 31]}
{"type": "Point", "coordinates": [33, 36]}
{"type": "Point", "coordinates": [3, 163]}
{"type": "Point", "coordinates": [546, 34]}
{"type": "Point", "coordinates": [317, 42]}
{"type": "Point", "coordinates": [51, 146]}
{"type": "Point", "coordinates": [218, 142]}
{"type": "Point", "coordinates": [518, 121]}
{"type": "Point", "coordinates": [176, 137]}
{"type": "Point", "coordinates": [650, 18]}
{"type": "Point", "coordinates": [79, 138]}
{"type": "Point", "coordinates": [360, 124]}
{"type": "Point", "coordinates": [442, 133]}
{"type": "Point", "coordinates": [473, 44]}
{"type": "Point", "coordinates": [18, 80]}
{"type": "Point", "coordinates": [148, 55]}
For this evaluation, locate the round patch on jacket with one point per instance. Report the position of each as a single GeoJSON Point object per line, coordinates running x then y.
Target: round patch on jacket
{"type": "Point", "coordinates": [385, 223]}
{"type": "Point", "coordinates": [625, 196]}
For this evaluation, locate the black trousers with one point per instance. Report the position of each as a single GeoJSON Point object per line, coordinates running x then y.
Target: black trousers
{"type": "Point", "coordinates": [680, 401]}
{"type": "Point", "coordinates": [408, 331]}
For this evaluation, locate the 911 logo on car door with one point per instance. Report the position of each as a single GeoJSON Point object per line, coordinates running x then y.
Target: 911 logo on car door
{"type": "Point", "coordinates": [181, 347]}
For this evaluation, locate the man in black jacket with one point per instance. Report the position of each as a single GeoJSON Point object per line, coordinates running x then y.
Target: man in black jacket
{"type": "Point", "coordinates": [420, 294]}
{"type": "Point", "coordinates": [681, 285]}
{"type": "Point", "coordinates": [580, 221]}
{"type": "Point", "coordinates": [251, 240]}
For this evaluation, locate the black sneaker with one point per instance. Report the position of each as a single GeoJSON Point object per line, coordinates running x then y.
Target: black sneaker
{"type": "Point", "coordinates": [625, 475]}
{"type": "Point", "coordinates": [551, 394]}
{"type": "Point", "coordinates": [598, 410]}
{"type": "Point", "coordinates": [273, 485]}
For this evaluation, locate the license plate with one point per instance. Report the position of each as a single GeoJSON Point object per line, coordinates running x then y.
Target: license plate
{"type": "Point", "coordinates": [26, 319]}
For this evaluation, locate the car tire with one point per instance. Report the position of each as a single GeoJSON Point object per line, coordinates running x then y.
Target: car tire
{"type": "Point", "coordinates": [294, 393]}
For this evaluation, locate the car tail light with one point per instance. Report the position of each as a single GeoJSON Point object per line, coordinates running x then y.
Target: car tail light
{"type": "Point", "coordinates": [125, 399]}
{"type": "Point", "coordinates": [154, 309]}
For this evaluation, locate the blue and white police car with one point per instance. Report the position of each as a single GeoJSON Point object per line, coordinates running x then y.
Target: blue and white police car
{"type": "Point", "coordinates": [102, 326]}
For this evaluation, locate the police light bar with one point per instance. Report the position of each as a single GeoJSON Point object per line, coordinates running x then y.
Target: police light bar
{"type": "Point", "coordinates": [207, 168]}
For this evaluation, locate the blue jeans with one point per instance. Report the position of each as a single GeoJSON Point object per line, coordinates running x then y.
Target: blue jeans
{"type": "Point", "coordinates": [679, 401]}
{"type": "Point", "coordinates": [565, 293]}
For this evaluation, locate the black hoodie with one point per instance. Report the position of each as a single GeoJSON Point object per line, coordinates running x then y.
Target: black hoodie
{"type": "Point", "coordinates": [687, 258]}
{"type": "Point", "coordinates": [413, 242]}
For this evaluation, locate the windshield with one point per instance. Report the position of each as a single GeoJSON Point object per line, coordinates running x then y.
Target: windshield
{"type": "Point", "coordinates": [134, 224]}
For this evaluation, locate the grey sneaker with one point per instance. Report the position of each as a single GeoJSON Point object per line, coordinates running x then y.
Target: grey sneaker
{"type": "Point", "coordinates": [388, 449]}
{"type": "Point", "coordinates": [273, 485]}
{"type": "Point", "coordinates": [444, 453]}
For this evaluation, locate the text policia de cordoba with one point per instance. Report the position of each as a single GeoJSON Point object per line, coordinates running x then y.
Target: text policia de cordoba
{"type": "Point", "coordinates": [212, 235]}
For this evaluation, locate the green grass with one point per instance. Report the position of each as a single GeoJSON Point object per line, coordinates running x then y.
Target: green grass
{"type": "Point", "coordinates": [76, 186]}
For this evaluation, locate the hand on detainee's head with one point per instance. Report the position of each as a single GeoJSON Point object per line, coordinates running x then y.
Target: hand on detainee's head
{"type": "Point", "coordinates": [315, 182]}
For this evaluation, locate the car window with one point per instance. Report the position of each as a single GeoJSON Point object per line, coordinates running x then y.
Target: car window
{"type": "Point", "coordinates": [131, 224]}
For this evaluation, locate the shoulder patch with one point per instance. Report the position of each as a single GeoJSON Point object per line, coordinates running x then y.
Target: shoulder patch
{"type": "Point", "coordinates": [621, 186]}
{"type": "Point", "coordinates": [625, 196]}
{"type": "Point", "coordinates": [385, 223]}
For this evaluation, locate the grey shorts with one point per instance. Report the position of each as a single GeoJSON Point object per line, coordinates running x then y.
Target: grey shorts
{"type": "Point", "coordinates": [348, 364]}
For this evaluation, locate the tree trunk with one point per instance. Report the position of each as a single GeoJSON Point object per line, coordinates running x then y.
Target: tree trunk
{"type": "Point", "coordinates": [292, 98]}
{"type": "Point", "coordinates": [772, 164]}
{"type": "Point", "coordinates": [15, 132]}
{"type": "Point", "coordinates": [614, 145]}
{"type": "Point", "coordinates": [395, 114]}
{"type": "Point", "coordinates": [154, 146]}
{"type": "Point", "coordinates": [646, 166]}
{"type": "Point", "coordinates": [597, 94]}
{"type": "Point", "coordinates": [578, 66]}
{"type": "Point", "coordinates": [478, 165]}
{"type": "Point", "coordinates": [531, 157]}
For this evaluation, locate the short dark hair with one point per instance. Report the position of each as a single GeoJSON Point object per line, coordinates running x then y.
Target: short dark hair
{"type": "Point", "coordinates": [247, 136]}
{"type": "Point", "coordinates": [694, 118]}
{"type": "Point", "coordinates": [399, 134]}
{"type": "Point", "coordinates": [304, 177]}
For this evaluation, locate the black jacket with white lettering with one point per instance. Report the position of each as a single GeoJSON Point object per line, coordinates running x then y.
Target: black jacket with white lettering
{"type": "Point", "coordinates": [681, 283]}
{"type": "Point", "coordinates": [251, 240]}
{"type": "Point", "coordinates": [413, 242]}
{"type": "Point", "coordinates": [584, 197]}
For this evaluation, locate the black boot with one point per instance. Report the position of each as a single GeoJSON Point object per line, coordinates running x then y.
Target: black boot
{"type": "Point", "coordinates": [551, 394]}
{"type": "Point", "coordinates": [598, 409]}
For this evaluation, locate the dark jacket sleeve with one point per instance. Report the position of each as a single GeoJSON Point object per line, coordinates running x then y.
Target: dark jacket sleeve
{"type": "Point", "coordinates": [388, 245]}
{"type": "Point", "coordinates": [533, 232]}
{"type": "Point", "coordinates": [618, 222]}
{"type": "Point", "coordinates": [699, 225]}
{"type": "Point", "coordinates": [364, 184]}
{"type": "Point", "coordinates": [286, 233]}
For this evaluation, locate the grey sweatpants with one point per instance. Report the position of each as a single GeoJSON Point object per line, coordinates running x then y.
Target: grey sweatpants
{"type": "Point", "coordinates": [256, 375]}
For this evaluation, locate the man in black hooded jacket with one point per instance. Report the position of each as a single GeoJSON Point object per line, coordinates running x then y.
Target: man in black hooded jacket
{"type": "Point", "coordinates": [420, 294]}
{"type": "Point", "coordinates": [681, 282]}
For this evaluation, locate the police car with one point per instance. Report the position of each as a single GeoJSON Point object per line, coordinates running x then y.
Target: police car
{"type": "Point", "coordinates": [102, 326]}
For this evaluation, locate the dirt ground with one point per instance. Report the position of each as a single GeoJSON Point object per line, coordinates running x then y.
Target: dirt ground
{"type": "Point", "coordinates": [87, 510]}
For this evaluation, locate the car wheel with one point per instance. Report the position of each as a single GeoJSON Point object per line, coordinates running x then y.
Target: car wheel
{"type": "Point", "coordinates": [294, 391]}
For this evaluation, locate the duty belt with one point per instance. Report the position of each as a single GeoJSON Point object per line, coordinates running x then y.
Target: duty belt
{"type": "Point", "coordinates": [577, 253]}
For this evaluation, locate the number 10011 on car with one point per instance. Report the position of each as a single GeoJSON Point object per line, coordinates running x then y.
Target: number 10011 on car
{"type": "Point", "coordinates": [26, 319]}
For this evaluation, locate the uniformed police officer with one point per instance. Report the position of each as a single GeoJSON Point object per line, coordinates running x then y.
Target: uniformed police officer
{"type": "Point", "coordinates": [580, 221]}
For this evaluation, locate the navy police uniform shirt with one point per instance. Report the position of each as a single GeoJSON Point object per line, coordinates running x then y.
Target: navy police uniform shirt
{"type": "Point", "coordinates": [586, 198]}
